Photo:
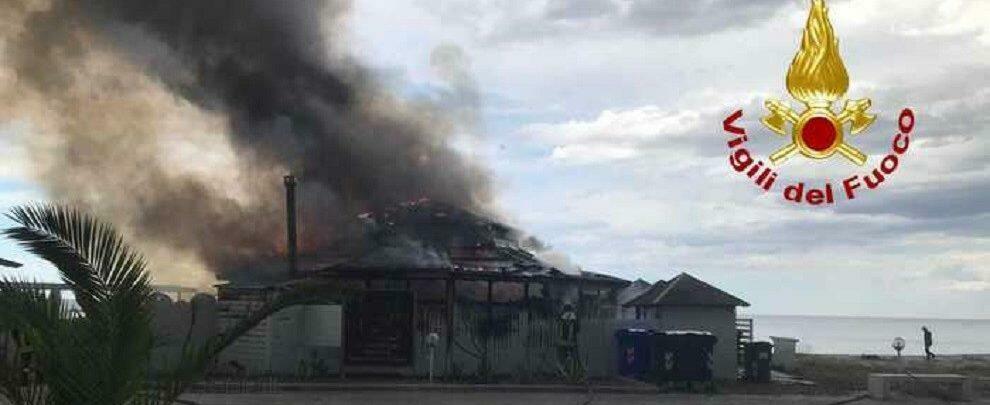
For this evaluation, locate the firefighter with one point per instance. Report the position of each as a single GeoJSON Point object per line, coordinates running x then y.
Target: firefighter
{"type": "Point", "coordinates": [568, 324]}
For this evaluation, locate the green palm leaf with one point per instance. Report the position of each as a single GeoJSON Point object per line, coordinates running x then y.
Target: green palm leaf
{"type": "Point", "coordinates": [99, 358]}
{"type": "Point", "coordinates": [102, 356]}
{"type": "Point", "coordinates": [27, 315]}
{"type": "Point", "coordinates": [196, 361]}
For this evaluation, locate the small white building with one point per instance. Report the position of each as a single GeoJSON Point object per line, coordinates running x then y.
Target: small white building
{"type": "Point", "coordinates": [298, 340]}
{"type": "Point", "coordinates": [686, 303]}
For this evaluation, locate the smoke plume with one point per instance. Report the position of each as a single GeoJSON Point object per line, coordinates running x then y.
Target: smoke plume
{"type": "Point", "coordinates": [176, 119]}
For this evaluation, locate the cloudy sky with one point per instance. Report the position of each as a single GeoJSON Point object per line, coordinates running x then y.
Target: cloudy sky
{"type": "Point", "coordinates": [601, 121]}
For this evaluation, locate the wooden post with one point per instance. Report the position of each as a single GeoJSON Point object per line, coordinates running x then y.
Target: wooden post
{"type": "Point", "coordinates": [491, 328]}
{"type": "Point", "coordinates": [491, 309]}
{"type": "Point", "coordinates": [527, 302]}
{"type": "Point", "coordinates": [529, 330]}
{"type": "Point", "coordinates": [344, 307]}
{"type": "Point", "coordinates": [579, 308]}
{"type": "Point", "coordinates": [449, 302]}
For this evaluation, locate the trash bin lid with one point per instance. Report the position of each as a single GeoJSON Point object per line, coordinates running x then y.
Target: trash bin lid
{"type": "Point", "coordinates": [634, 331]}
{"type": "Point", "coordinates": [687, 332]}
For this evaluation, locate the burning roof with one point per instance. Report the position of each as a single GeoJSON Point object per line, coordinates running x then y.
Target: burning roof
{"type": "Point", "coordinates": [426, 234]}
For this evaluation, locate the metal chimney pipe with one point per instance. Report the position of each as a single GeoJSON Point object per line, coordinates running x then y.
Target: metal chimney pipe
{"type": "Point", "coordinates": [290, 222]}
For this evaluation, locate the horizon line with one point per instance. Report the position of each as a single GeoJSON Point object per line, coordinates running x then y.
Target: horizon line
{"type": "Point", "coordinates": [902, 317]}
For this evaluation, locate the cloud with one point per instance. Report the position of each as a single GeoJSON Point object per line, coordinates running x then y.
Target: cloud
{"type": "Point", "coordinates": [680, 18]}
{"type": "Point", "coordinates": [579, 9]}
{"type": "Point", "coordinates": [936, 199]}
{"type": "Point", "coordinates": [951, 18]}
{"type": "Point", "coordinates": [588, 154]}
{"type": "Point", "coordinates": [609, 113]}
{"type": "Point", "coordinates": [497, 22]}
{"type": "Point", "coordinates": [943, 174]}
{"type": "Point", "coordinates": [636, 208]}
{"type": "Point", "coordinates": [616, 134]}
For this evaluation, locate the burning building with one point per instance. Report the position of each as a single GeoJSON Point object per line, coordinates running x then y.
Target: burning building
{"type": "Point", "coordinates": [172, 117]}
{"type": "Point", "coordinates": [425, 267]}
{"type": "Point", "coordinates": [194, 107]}
{"type": "Point", "coordinates": [421, 267]}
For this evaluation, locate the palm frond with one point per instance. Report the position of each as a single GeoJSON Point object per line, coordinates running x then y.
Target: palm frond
{"type": "Point", "coordinates": [8, 263]}
{"type": "Point", "coordinates": [100, 357]}
{"type": "Point", "coordinates": [36, 321]}
{"type": "Point", "coordinates": [90, 255]}
{"type": "Point", "coordinates": [196, 361]}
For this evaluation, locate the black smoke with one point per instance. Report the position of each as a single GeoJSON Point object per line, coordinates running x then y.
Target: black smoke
{"type": "Point", "coordinates": [289, 97]}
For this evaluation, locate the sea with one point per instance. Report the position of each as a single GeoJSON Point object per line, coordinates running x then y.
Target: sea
{"type": "Point", "coordinates": [868, 335]}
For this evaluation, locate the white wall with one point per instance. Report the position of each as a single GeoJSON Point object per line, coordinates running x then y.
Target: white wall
{"type": "Point", "coordinates": [323, 325]}
{"type": "Point", "coordinates": [280, 343]}
{"type": "Point", "coordinates": [172, 321]}
{"type": "Point", "coordinates": [253, 350]}
{"type": "Point", "coordinates": [304, 334]}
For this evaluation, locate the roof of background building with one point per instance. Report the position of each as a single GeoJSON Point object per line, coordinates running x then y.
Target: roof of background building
{"type": "Point", "coordinates": [633, 291]}
{"type": "Point", "coordinates": [685, 290]}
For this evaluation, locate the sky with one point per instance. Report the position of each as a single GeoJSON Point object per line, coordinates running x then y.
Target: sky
{"type": "Point", "coordinates": [600, 121]}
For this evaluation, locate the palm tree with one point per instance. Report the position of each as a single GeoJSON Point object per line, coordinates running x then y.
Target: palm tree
{"type": "Point", "coordinates": [8, 263]}
{"type": "Point", "coordinates": [102, 356]}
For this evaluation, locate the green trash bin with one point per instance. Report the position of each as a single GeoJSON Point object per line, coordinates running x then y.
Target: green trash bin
{"type": "Point", "coordinates": [683, 356]}
{"type": "Point", "coordinates": [758, 357]}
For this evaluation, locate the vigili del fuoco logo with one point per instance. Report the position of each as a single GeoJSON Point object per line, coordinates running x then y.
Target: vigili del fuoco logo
{"type": "Point", "coordinates": [817, 78]}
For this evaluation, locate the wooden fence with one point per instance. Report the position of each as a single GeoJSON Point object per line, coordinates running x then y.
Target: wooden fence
{"type": "Point", "coordinates": [505, 341]}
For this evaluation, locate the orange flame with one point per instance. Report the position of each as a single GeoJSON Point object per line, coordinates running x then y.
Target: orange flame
{"type": "Point", "coordinates": [817, 75]}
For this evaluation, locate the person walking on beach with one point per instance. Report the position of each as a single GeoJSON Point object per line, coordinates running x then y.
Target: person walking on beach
{"type": "Point", "coordinates": [928, 343]}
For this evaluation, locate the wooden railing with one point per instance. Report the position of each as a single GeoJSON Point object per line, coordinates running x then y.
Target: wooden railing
{"type": "Point", "coordinates": [744, 335]}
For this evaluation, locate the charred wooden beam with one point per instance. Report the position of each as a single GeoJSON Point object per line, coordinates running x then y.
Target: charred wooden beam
{"type": "Point", "coordinates": [290, 223]}
{"type": "Point", "coordinates": [451, 294]}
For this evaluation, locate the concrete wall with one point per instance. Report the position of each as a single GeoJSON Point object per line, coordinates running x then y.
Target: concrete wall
{"type": "Point", "coordinates": [305, 340]}
{"type": "Point", "coordinates": [172, 321]}
{"type": "Point", "coordinates": [295, 340]}
{"type": "Point", "coordinates": [253, 351]}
